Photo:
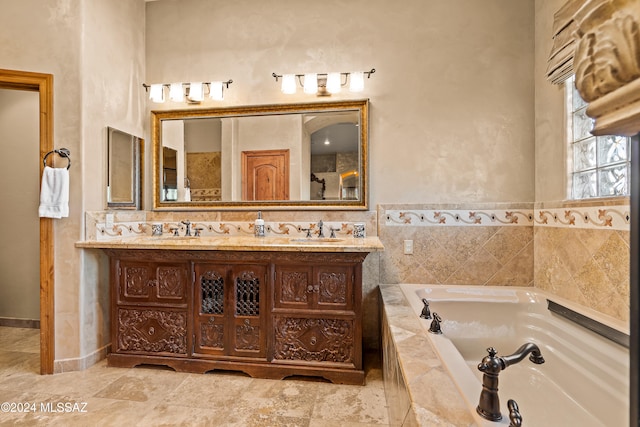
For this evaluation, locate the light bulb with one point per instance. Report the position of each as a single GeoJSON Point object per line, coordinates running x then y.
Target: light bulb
{"type": "Point", "coordinates": [356, 83]}
{"type": "Point", "coordinates": [288, 84]}
{"type": "Point", "coordinates": [334, 85]}
{"type": "Point", "coordinates": [175, 92]}
{"type": "Point", "coordinates": [311, 83]}
{"type": "Point", "coordinates": [215, 91]}
{"type": "Point", "coordinates": [156, 93]}
{"type": "Point", "coordinates": [196, 91]}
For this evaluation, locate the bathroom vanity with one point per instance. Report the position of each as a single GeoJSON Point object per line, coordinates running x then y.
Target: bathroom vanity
{"type": "Point", "coordinates": [270, 307]}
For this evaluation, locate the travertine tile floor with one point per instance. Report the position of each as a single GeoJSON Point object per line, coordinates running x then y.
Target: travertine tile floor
{"type": "Point", "coordinates": [160, 397]}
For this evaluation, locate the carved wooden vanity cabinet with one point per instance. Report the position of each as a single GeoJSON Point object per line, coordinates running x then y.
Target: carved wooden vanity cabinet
{"type": "Point", "coordinates": [269, 314]}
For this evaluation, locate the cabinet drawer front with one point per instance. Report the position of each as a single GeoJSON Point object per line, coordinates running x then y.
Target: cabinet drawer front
{"type": "Point", "coordinates": [141, 282]}
{"type": "Point", "coordinates": [150, 330]}
{"type": "Point", "coordinates": [315, 340]}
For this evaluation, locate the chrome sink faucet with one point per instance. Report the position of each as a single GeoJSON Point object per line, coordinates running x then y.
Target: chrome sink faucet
{"type": "Point", "coordinates": [320, 229]}
{"type": "Point", "coordinates": [491, 365]}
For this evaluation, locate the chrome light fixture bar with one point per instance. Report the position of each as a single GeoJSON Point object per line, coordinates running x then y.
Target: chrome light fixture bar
{"type": "Point", "coordinates": [193, 92]}
{"type": "Point", "coordinates": [323, 84]}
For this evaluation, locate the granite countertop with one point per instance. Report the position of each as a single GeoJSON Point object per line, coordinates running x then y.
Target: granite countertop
{"type": "Point", "coordinates": [239, 243]}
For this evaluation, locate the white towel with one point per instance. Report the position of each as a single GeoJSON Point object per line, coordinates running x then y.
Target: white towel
{"type": "Point", "coordinates": [54, 193]}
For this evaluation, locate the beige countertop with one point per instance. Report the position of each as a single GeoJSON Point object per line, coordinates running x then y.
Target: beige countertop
{"type": "Point", "coordinates": [240, 243]}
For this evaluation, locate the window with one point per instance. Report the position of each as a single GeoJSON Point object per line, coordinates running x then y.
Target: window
{"type": "Point", "coordinates": [599, 165]}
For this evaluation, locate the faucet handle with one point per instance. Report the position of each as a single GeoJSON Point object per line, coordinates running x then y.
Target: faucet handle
{"type": "Point", "coordinates": [514, 414]}
{"type": "Point", "coordinates": [426, 313]}
{"type": "Point", "coordinates": [435, 324]}
{"type": "Point", "coordinates": [308, 230]}
{"type": "Point", "coordinates": [333, 232]}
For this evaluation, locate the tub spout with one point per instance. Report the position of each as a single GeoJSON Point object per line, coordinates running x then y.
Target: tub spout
{"type": "Point", "coordinates": [490, 366]}
{"type": "Point", "coordinates": [521, 353]}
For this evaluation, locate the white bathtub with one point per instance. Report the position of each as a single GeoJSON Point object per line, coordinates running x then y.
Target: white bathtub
{"type": "Point", "coordinates": [583, 382]}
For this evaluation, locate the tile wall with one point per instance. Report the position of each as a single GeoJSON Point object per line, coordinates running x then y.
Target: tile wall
{"type": "Point", "coordinates": [579, 251]}
{"type": "Point", "coordinates": [481, 245]}
{"type": "Point", "coordinates": [582, 253]}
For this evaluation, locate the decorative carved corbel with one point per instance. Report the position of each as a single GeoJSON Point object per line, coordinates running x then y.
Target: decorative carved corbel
{"type": "Point", "coordinates": [607, 64]}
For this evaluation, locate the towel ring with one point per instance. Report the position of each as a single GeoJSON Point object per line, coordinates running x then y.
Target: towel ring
{"type": "Point", "coordinates": [63, 152]}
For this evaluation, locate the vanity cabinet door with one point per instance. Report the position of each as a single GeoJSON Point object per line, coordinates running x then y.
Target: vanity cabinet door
{"type": "Point", "coordinates": [294, 286]}
{"type": "Point", "coordinates": [330, 340]}
{"type": "Point", "coordinates": [334, 287]}
{"type": "Point", "coordinates": [230, 302]}
{"type": "Point", "coordinates": [157, 331]}
{"type": "Point", "coordinates": [152, 282]}
{"type": "Point", "coordinates": [210, 308]}
{"type": "Point", "coordinates": [327, 287]}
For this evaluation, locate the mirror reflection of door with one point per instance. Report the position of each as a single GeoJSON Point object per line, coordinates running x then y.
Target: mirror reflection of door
{"type": "Point", "coordinates": [169, 174]}
{"type": "Point", "coordinates": [265, 175]}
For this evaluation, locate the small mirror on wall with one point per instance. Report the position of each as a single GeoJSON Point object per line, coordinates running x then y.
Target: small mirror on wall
{"type": "Point", "coordinates": [124, 154]}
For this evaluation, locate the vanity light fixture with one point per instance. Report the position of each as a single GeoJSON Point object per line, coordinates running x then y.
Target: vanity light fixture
{"type": "Point", "coordinates": [193, 92]}
{"type": "Point", "coordinates": [323, 84]}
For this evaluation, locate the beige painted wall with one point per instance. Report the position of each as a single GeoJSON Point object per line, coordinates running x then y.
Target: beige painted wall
{"type": "Point", "coordinates": [550, 139]}
{"type": "Point", "coordinates": [94, 49]}
{"type": "Point", "coordinates": [452, 115]}
{"type": "Point", "coordinates": [45, 37]}
{"type": "Point", "coordinates": [19, 224]}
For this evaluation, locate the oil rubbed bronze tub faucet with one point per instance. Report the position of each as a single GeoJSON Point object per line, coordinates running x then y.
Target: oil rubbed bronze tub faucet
{"type": "Point", "coordinates": [490, 366]}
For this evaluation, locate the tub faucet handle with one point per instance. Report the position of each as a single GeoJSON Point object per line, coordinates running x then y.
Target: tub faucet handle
{"type": "Point", "coordinates": [426, 313]}
{"type": "Point", "coordinates": [435, 324]}
{"type": "Point", "coordinates": [514, 414]}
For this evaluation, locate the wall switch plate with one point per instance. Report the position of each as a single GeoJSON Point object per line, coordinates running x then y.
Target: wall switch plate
{"type": "Point", "coordinates": [108, 219]}
{"type": "Point", "coordinates": [408, 247]}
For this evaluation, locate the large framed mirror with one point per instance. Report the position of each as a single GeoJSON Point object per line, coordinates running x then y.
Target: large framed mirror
{"type": "Point", "coordinates": [124, 153]}
{"type": "Point", "coordinates": [302, 156]}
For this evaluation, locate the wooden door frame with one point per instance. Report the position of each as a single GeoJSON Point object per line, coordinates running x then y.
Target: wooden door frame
{"type": "Point", "coordinates": [43, 84]}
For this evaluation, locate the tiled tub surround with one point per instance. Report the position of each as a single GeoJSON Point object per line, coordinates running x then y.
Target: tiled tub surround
{"type": "Point", "coordinates": [453, 244]}
{"type": "Point", "coordinates": [417, 386]}
{"type": "Point", "coordinates": [572, 386]}
{"type": "Point", "coordinates": [578, 250]}
{"type": "Point", "coordinates": [584, 256]}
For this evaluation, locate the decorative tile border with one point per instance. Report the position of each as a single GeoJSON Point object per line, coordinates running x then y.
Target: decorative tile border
{"type": "Point", "coordinates": [486, 217]}
{"type": "Point", "coordinates": [593, 217]}
{"type": "Point", "coordinates": [216, 228]}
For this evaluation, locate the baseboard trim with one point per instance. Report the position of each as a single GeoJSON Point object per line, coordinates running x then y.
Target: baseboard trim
{"type": "Point", "coordinates": [20, 323]}
{"type": "Point", "coordinates": [81, 363]}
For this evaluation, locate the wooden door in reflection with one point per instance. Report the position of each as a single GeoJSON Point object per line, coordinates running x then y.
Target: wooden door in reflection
{"type": "Point", "coordinates": [265, 175]}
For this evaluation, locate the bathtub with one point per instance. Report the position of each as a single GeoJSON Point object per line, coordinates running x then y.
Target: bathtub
{"type": "Point", "coordinates": [583, 382]}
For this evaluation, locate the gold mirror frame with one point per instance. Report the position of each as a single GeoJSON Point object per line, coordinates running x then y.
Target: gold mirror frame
{"type": "Point", "coordinates": [362, 106]}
